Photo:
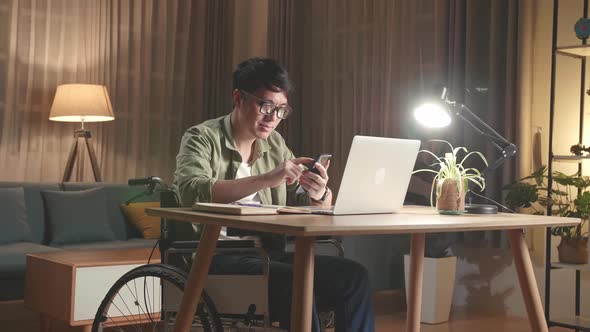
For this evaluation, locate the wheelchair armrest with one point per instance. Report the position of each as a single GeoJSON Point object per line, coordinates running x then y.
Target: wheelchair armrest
{"type": "Point", "coordinates": [234, 244]}
{"type": "Point", "coordinates": [221, 244]}
{"type": "Point", "coordinates": [335, 243]}
{"type": "Point", "coordinates": [291, 238]}
{"type": "Point", "coordinates": [326, 239]}
{"type": "Point", "coordinates": [224, 247]}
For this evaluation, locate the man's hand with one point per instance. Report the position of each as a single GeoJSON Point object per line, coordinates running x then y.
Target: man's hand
{"type": "Point", "coordinates": [314, 184]}
{"type": "Point", "coordinates": [288, 171]}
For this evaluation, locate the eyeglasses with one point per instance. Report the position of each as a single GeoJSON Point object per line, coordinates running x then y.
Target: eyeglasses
{"type": "Point", "coordinates": [268, 108]}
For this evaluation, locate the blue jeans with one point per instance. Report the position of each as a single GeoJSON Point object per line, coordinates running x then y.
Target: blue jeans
{"type": "Point", "coordinates": [340, 284]}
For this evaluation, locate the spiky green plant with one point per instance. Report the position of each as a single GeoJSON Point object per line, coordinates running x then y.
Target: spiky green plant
{"type": "Point", "coordinates": [450, 169]}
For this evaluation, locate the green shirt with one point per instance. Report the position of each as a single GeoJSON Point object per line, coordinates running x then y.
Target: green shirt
{"type": "Point", "coordinates": [208, 153]}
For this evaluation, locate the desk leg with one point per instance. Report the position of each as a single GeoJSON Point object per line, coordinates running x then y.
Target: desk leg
{"type": "Point", "coordinates": [414, 300]}
{"type": "Point", "coordinates": [526, 278]}
{"type": "Point", "coordinates": [302, 292]}
{"type": "Point", "coordinates": [44, 323]}
{"type": "Point", "coordinates": [197, 278]}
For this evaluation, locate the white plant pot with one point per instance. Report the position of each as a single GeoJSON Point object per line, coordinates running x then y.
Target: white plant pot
{"type": "Point", "coordinates": [437, 287]}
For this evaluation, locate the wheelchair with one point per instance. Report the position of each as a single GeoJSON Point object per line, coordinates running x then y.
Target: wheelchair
{"type": "Point", "coordinates": [147, 298]}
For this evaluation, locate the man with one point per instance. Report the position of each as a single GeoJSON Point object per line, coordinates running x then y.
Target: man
{"type": "Point", "coordinates": [240, 157]}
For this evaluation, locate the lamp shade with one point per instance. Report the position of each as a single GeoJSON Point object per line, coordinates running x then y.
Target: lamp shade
{"type": "Point", "coordinates": [81, 103]}
{"type": "Point", "coordinates": [433, 115]}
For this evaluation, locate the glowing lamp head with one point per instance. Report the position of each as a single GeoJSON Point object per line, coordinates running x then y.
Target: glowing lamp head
{"type": "Point", "coordinates": [432, 115]}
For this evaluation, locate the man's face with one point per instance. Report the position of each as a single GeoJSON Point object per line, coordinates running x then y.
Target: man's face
{"type": "Point", "coordinates": [249, 116]}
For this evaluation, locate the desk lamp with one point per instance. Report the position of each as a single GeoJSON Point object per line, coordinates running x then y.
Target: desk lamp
{"type": "Point", "coordinates": [439, 114]}
{"type": "Point", "coordinates": [81, 103]}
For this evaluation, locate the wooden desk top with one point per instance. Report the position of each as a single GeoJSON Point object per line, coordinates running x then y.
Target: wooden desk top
{"type": "Point", "coordinates": [412, 219]}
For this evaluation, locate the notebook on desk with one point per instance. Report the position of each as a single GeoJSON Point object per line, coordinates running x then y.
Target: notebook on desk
{"type": "Point", "coordinates": [376, 176]}
{"type": "Point", "coordinates": [249, 209]}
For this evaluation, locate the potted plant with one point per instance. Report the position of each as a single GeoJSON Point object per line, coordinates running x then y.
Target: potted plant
{"type": "Point", "coordinates": [452, 178]}
{"type": "Point", "coordinates": [439, 278]}
{"type": "Point", "coordinates": [570, 197]}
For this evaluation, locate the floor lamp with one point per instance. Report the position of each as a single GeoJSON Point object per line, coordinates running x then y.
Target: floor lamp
{"type": "Point", "coordinates": [81, 103]}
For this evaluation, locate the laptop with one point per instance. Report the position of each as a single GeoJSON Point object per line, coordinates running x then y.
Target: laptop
{"type": "Point", "coordinates": [376, 176]}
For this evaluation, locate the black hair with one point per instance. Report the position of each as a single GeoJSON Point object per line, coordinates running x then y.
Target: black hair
{"type": "Point", "coordinates": [256, 73]}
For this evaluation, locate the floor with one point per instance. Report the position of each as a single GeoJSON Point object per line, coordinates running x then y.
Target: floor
{"type": "Point", "coordinates": [14, 317]}
{"type": "Point", "coordinates": [462, 321]}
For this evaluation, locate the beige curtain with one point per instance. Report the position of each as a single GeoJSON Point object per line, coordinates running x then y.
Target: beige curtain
{"type": "Point", "coordinates": [528, 139]}
{"type": "Point", "coordinates": [285, 30]}
{"type": "Point", "coordinates": [149, 54]}
{"type": "Point", "coordinates": [219, 55]}
{"type": "Point", "coordinates": [527, 162]}
{"type": "Point", "coordinates": [354, 64]}
{"type": "Point", "coordinates": [481, 62]}
{"type": "Point", "coordinates": [481, 42]}
{"type": "Point", "coordinates": [361, 66]}
{"type": "Point", "coordinates": [43, 43]}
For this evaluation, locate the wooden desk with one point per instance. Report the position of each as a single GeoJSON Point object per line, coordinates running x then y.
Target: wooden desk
{"type": "Point", "coordinates": [414, 220]}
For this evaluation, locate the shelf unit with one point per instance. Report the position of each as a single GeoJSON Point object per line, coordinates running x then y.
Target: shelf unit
{"type": "Point", "coordinates": [580, 52]}
{"type": "Point", "coordinates": [574, 323]}
{"type": "Point", "coordinates": [575, 51]}
{"type": "Point", "coordinates": [570, 159]}
{"type": "Point", "coordinates": [580, 267]}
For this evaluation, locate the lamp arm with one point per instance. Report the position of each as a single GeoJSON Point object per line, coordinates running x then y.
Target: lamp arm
{"type": "Point", "coordinates": [492, 138]}
{"type": "Point", "coordinates": [491, 133]}
{"type": "Point", "coordinates": [507, 148]}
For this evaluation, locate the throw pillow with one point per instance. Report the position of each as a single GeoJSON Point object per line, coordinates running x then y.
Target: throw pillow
{"type": "Point", "coordinates": [149, 226]}
{"type": "Point", "coordinates": [13, 216]}
{"type": "Point", "coordinates": [77, 216]}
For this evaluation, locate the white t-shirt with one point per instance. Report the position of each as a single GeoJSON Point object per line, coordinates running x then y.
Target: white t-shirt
{"type": "Point", "coordinates": [244, 171]}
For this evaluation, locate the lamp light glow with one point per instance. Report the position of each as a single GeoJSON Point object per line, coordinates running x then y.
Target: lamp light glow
{"type": "Point", "coordinates": [432, 115]}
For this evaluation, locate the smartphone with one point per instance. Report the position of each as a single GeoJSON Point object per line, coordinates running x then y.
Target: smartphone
{"type": "Point", "coordinates": [321, 159]}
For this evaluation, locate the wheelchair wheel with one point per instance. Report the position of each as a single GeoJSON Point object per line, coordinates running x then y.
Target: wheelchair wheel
{"type": "Point", "coordinates": [147, 299]}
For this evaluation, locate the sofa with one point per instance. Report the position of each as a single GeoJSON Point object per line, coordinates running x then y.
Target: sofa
{"type": "Point", "coordinates": [46, 217]}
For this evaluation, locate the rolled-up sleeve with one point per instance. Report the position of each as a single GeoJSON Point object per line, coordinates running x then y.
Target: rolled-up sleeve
{"type": "Point", "coordinates": [194, 176]}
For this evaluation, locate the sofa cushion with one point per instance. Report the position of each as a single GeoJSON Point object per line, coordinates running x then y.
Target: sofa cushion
{"type": "Point", "coordinates": [13, 216]}
{"type": "Point", "coordinates": [149, 226]}
{"type": "Point", "coordinates": [13, 257]}
{"type": "Point", "coordinates": [77, 216]}
{"type": "Point", "coordinates": [12, 289]}
{"type": "Point", "coordinates": [12, 270]}
{"type": "Point", "coordinates": [34, 204]}
{"type": "Point", "coordinates": [116, 194]}
{"type": "Point", "coordinates": [106, 245]}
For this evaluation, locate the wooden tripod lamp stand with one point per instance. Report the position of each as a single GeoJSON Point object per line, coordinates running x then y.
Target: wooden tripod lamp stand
{"type": "Point", "coordinates": [81, 103]}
